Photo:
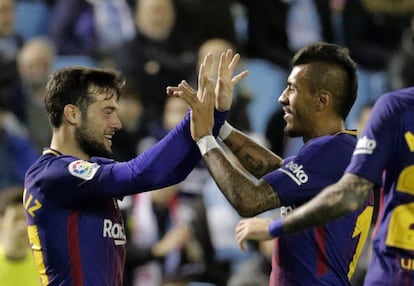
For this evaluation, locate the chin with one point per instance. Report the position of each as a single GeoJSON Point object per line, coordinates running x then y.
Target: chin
{"type": "Point", "coordinates": [292, 133]}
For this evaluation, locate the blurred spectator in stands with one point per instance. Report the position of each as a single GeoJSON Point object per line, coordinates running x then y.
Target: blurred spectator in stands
{"type": "Point", "coordinates": [10, 44]}
{"type": "Point", "coordinates": [17, 266]}
{"type": "Point", "coordinates": [17, 154]}
{"type": "Point", "coordinates": [267, 56]}
{"type": "Point", "coordinates": [373, 30]}
{"type": "Point", "coordinates": [158, 56]}
{"type": "Point", "coordinates": [401, 66]}
{"type": "Point", "coordinates": [170, 239]}
{"type": "Point", "coordinates": [309, 22]}
{"type": "Point", "coordinates": [336, 8]}
{"type": "Point", "coordinates": [35, 62]}
{"type": "Point", "coordinates": [126, 142]}
{"type": "Point", "coordinates": [92, 28]}
{"type": "Point", "coordinates": [202, 20]}
{"type": "Point", "coordinates": [256, 269]}
{"type": "Point", "coordinates": [156, 237]}
{"type": "Point", "coordinates": [32, 18]}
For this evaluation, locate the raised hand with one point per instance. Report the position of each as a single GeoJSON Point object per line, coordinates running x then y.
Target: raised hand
{"type": "Point", "coordinates": [201, 101]}
{"type": "Point", "coordinates": [226, 81]}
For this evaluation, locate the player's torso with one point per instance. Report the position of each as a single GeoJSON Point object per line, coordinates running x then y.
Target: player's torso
{"type": "Point", "coordinates": [73, 242]}
{"type": "Point", "coordinates": [327, 255]}
{"type": "Point", "coordinates": [393, 243]}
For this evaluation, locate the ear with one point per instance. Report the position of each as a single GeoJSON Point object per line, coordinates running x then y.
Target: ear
{"type": "Point", "coordinates": [324, 100]}
{"type": "Point", "coordinates": [72, 114]}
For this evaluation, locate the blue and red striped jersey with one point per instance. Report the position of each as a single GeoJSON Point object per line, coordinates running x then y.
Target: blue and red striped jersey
{"type": "Point", "coordinates": [385, 155]}
{"type": "Point", "coordinates": [326, 255]}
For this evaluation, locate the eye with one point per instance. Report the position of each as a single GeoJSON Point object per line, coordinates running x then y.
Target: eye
{"type": "Point", "coordinates": [109, 110]}
{"type": "Point", "coordinates": [290, 88]}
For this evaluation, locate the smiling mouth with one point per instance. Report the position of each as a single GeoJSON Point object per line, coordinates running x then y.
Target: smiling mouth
{"type": "Point", "coordinates": [287, 115]}
{"type": "Point", "coordinates": [109, 139]}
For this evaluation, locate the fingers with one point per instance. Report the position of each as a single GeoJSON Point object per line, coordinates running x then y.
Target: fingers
{"type": "Point", "coordinates": [208, 62]}
{"type": "Point", "coordinates": [241, 235]}
{"type": "Point", "coordinates": [201, 75]}
{"type": "Point", "coordinates": [240, 76]}
{"type": "Point", "coordinates": [208, 93]}
{"type": "Point", "coordinates": [172, 89]}
{"type": "Point", "coordinates": [228, 63]}
{"type": "Point", "coordinates": [242, 245]}
{"type": "Point", "coordinates": [224, 64]}
{"type": "Point", "coordinates": [185, 85]}
{"type": "Point", "coordinates": [234, 61]}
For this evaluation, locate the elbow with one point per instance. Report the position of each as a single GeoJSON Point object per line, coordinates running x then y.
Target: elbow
{"type": "Point", "coordinates": [247, 211]}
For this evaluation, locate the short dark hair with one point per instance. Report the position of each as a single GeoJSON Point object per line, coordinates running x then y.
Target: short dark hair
{"type": "Point", "coordinates": [11, 195]}
{"type": "Point", "coordinates": [71, 85]}
{"type": "Point", "coordinates": [333, 70]}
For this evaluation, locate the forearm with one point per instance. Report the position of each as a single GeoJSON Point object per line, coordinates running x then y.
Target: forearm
{"type": "Point", "coordinates": [255, 158]}
{"type": "Point", "coordinates": [173, 157]}
{"type": "Point", "coordinates": [333, 202]}
{"type": "Point", "coordinates": [248, 196]}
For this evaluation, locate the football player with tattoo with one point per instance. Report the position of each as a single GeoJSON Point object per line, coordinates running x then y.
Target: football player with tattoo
{"type": "Point", "coordinates": [75, 227]}
{"type": "Point", "coordinates": [321, 89]}
{"type": "Point", "coordinates": [383, 156]}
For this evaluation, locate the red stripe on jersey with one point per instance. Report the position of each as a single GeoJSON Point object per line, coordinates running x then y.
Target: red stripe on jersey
{"type": "Point", "coordinates": [74, 249]}
{"type": "Point", "coordinates": [321, 257]}
{"type": "Point", "coordinates": [276, 277]}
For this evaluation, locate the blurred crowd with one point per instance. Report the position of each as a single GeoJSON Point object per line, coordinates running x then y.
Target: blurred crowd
{"type": "Point", "coordinates": [184, 235]}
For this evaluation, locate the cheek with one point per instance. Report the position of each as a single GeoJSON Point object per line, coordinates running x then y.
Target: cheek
{"type": "Point", "coordinates": [95, 125]}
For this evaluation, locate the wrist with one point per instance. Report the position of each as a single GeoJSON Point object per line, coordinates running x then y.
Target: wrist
{"type": "Point", "coordinates": [206, 143]}
{"type": "Point", "coordinates": [276, 228]}
{"type": "Point", "coordinates": [225, 131]}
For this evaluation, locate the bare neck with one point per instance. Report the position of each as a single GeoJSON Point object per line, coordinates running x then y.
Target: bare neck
{"type": "Point", "coordinates": [325, 127]}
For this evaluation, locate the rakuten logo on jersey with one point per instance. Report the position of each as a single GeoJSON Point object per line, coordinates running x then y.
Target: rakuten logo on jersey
{"type": "Point", "coordinates": [365, 146]}
{"type": "Point", "coordinates": [114, 231]}
{"type": "Point", "coordinates": [295, 172]}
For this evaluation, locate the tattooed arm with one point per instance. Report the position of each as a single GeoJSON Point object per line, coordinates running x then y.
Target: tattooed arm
{"type": "Point", "coordinates": [255, 158]}
{"type": "Point", "coordinates": [247, 195]}
{"type": "Point", "coordinates": [333, 202]}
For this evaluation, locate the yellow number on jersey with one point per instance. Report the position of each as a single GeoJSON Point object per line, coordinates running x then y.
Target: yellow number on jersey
{"type": "Point", "coordinates": [401, 226]}
{"type": "Point", "coordinates": [362, 227]}
{"type": "Point", "coordinates": [31, 205]}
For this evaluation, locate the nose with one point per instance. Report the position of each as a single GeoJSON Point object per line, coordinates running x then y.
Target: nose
{"type": "Point", "coordinates": [116, 122]}
{"type": "Point", "coordinates": [283, 99]}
